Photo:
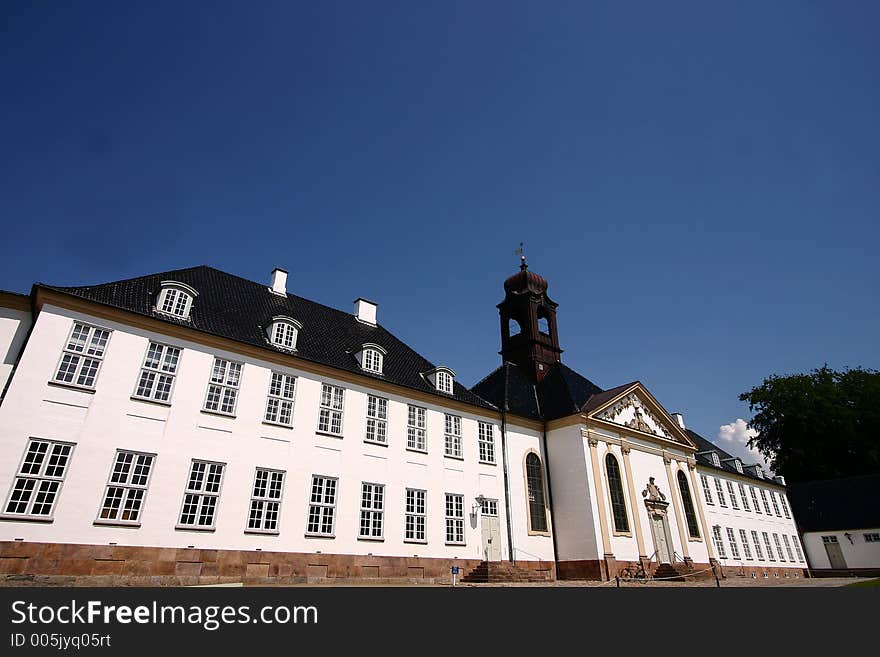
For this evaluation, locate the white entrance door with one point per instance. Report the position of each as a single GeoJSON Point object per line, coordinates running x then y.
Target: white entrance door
{"type": "Point", "coordinates": [661, 539]}
{"type": "Point", "coordinates": [491, 527]}
{"type": "Point", "coordinates": [835, 554]}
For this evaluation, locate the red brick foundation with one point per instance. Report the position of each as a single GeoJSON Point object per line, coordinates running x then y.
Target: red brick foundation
{"type": "Point", "coordinates": [105, 565]}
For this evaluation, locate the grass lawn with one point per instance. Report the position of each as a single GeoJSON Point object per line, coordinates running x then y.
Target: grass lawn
{"type": "Point", "coordinates": [868, 582]}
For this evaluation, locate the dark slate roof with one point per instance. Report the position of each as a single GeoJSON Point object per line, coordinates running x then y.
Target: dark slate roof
{"type": "Point", "coordinates": [705, 460]}
{"type": "Point", "coordinates": [233, 307]}
{"type": "Point", "coordinates": [595, 401]}
{"type": "Point", "coordinates": [849, 503]}
{"type": "Point", "coordinates": [559, 394]}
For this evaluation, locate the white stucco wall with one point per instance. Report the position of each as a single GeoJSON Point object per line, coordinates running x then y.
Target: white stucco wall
{"type": "Point", "coordinates": [99, 423]}
{"type": "Point", "coordinates": [14, 326]}
{"type": "Point", "coordinates": [857, 554]}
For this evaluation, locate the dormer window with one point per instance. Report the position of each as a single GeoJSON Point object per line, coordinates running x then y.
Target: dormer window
{"type": "Point", "coordinates": [371, 358]}
{"type": "Point", "coordinates": [175, 299]}
{"type": "Point", "coordinates": [738, 465]}
{"type": "Point", "coordinates": [715, 460]}
{"type": "Point", "coordinates": [444, 381]}
{"type": "Point", "coordinates": [283, 332]}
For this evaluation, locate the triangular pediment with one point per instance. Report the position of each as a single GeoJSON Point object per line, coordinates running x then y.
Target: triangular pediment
{"type": "Point", "coordinates": [637, 409]}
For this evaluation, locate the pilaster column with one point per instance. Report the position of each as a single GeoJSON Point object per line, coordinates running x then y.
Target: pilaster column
{"type": "Point", "coordinates": [633, 500]}
{"type": "Point", "coordinates": [600, 496]}
{"type": "Point", "coordinates": [676, 498]}
{"type": "Point", "coordinates": [698, 498]}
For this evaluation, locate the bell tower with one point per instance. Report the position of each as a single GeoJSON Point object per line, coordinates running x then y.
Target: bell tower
{"type": "Point", "coordinates": [528, 324]}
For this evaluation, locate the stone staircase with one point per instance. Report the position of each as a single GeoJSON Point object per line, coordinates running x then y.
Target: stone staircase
{"type": "Point", "coordinates": [671, 573]}
{"type": "Point", "coordinates": [502, 571]}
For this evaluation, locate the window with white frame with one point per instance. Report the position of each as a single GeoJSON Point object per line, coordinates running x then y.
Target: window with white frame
{"type": "Point", "coordinates": [453, 436]}
{"type": "Point", "coordinates": [377, 419]}
{"type": "Point", "coordinates": [720, 491]}
{"type": "Point", "coordinates": [372, 359]}
{"type": "Point", "coordinates": [223, 387]}
{"type": "Point", "coordinates": [158, 372]}
{"type": "Point", "coordinates": [202, 493]}
{"type": "Point", "coordinates": [265, 509]}
{"type": "Point", "coordinates": [788, 548]}
{"type": "Point", "coordinates": [322, 506]}
{"type": "Point", "coordinates": [444, 381]}
{"type": "Point", "coordinates": [82, 355]}
{"type": "Point", "coordinates": [330, 414]}
{"type": "Point", "coordinates": [715, 460]}
{"type": "Point", "coordinates": [747, 551]}
{"type": "Point", "coordinates": [829, 539]}
{"type": "Point", "coordinates": [719, 543]}
{"type": "Point", "coordinates": [873, 537]}
{"type": "Point", "coordinates": [372, 510]}
{"type": "Point", "coordinates": [707, 491]}
{"type": "Point", "coordinates": [778, 547]}
{"type": "Point", "coordinates": [284, 332]}
{"type": "Point", "coordinates": [768, 546]}
{"type": "Point", "coordinates": [486, 442]}
{"type": "Point", "coordinates": [38, 481]}
{"type": "Point", "coordinates": [784, 505]}
{"type": "Point", "coordinates": [764, 499]}
{"type": "Point", "coordinates": [757, 543]}
{"type": "Point", "coordinates": [175, 299]}
{"type": "Point", "coordinates": [797, 547]}
{"type": "Point", "coordinates": [755, 499]}
{"type": "Point", "coordinates": [775, 505]}
{"type": "Point", "coordinates": [745, 500]}
{"type": "Point", "coordinates": [279, 401]}
{"type": "Point", "coordinates": [454, 519]}
{"type": "Point", "coordinates": [416, 426]}
{"type": "Point", "coordinates": [734, 548]}
{"type": "Point", "coordinates": [730, 491]}
{"type": "Point", "coordinates": [489, 507]}
{"type": "Point", "coordinates": [127, 488]}
{"type": "Point", "coordinates": [738, 465]}
{"type": "Point", "coordinates": [415, 515]}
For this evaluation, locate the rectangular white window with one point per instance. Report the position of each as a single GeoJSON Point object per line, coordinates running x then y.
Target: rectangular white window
{"type": "Point", "coordinates": [768, 546]}
{"type": "Point", "coordinates": [775, 505]}
{"type": "Point", "coordinates": [778, 547]}
{"type": "Point", "coordinates": [330, 414]}
{"type": "Point", "coordinates": [265, 509]}
{"type": "Point", "coordinates": [720, 491]}
{"type": "Point", "coordinates": [454, 519]}
{"type": "Point", "coordinates": [755, 499]}
{"type": "Point", "coordinates": [707, 492]}
{"type": "Point", "coordinates": [734, 548]}
{"type": "Point", "coordinates": [377, 419]}
{"type": "Point", "coordinates": [757, 543]}
{"type": "Point", "coordinates": [201, 495]}
{"type": "Point", "coordinates": [279, 402]}
{"type": "Point", "coordinates": [784, 505]}
{"type": "Point", "coordinates": [486, 442]}
{"type": "Point", "coordinates": [742, 496]}
{"type": "Point", "coordinates": [127, 488]}
{"type": "Point", "coordinates": [372, 510]}
{"type": "Point", "coordinates": [764, 499]}
{"type": "Point", "coordinates": [745, 542]}
{"type": "Point", "coordinates": [453, 436]}
{"type": "Point", "coordinates": [82, 355]}
{"type": "Point", "coordinates": [730, 491]}
{"type": "Point", "coordinates": [719, 544]}
{"type": "Point", "coordinates": [40, 475]}
{"type": "Point", "coordinates": [489, 508]}
{"type": "Point", "coordinates": [222, 394]}
{"type": "Point", "coordinates": [158, 372]}
{"type": "Point", "coordinates": [322, 506]}
{"type": "Point", "coordinates": [797, 547]}
{"type": "Point", "coordinates": [788, 548]}
{"type": "Point", "coordinates": [416, 426]}
{"type": "Point", "coordinates": [415, 515]}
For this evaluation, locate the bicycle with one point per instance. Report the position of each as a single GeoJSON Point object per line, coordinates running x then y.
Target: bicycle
{"type": "Point", "coordinates": [634, 573]}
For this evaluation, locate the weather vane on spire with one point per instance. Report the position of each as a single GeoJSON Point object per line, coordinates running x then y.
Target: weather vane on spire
{"type": "Point", "coordinates": [522, 256]}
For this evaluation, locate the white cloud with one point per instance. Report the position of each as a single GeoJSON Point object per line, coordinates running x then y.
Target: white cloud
{"type": "Point", "coordinates": [734, 437]}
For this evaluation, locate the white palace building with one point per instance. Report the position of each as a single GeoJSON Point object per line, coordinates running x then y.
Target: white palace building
{"type": "Point", "coordinates": [196, 427]}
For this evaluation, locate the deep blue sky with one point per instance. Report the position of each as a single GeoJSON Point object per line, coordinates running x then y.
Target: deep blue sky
{"type": "Point", "coordinates": [697, 180]}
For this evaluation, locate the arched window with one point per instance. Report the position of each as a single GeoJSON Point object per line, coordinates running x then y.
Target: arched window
{"type": "Point", "coordinates": [543, 325]}
{"type": "Point", "coordinates": [514, 327]}
{"type": "Point", "coordinates": [535, 482]}
{"type": "Point", "coordinates": [283, 332]}
{"type": "Point", "coordinates": [690, 516]}
{"type": "Point", "coordinates": [175, 299]}
{"type": "Point", "coordinates": [372, 358]}
{"type": "Point", "coordinates": [615, 490]}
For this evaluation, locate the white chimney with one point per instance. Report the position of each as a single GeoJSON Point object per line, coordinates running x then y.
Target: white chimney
{"type": "Point", "coordinates": [678, 417]}
{"type": "Point", "coordinates": [779, 479]}
{"type": "Point", "coordinates": [365, 311]}
{"type": "Point", "coordinates": [279, 281]}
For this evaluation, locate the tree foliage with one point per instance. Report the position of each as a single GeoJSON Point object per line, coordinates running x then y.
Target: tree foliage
{"type": "Point", "coordinates": [821, 425]}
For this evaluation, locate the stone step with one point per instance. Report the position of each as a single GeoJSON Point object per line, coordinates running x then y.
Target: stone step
{"type": "Point", "coordinates": [499, 571]}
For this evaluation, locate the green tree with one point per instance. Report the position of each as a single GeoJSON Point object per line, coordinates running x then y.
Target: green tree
{"type": "Point", "coordinates": [821, 425]}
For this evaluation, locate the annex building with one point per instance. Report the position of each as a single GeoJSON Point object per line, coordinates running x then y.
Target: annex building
{"type": "Point", "coordinates": [196, 427]}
